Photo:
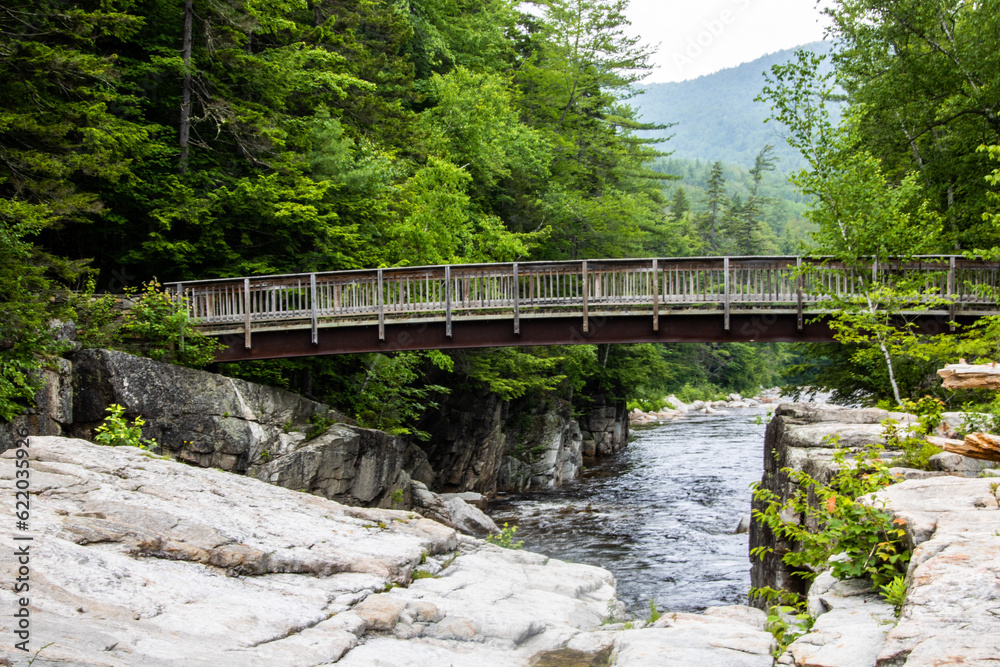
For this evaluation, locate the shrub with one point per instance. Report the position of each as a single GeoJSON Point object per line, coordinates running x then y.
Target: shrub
{"type": "Point", "coordinates": [867, 539]}
{"type": "Point", "coordinates": [115, 431]}
{"type": "Point", "coordinates": [505, 538]}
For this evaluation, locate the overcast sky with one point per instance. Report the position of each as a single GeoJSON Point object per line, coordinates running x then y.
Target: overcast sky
{"type": "Point", "coordinates": [698, 37]}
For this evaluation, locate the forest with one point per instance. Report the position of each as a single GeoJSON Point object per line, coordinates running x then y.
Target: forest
{"type": "Point", "coordinates": [150, 140]}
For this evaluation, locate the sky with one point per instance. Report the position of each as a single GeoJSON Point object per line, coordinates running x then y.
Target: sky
{"type": "Point", "coordinates": [698, 37]}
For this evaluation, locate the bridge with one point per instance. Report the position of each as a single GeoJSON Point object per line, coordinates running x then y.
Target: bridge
{"type": "Point", "coordinates": [660, 300]}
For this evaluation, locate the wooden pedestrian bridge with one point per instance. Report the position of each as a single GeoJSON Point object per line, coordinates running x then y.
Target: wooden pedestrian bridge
{"type": "Point", "coordinates": [664, 300]}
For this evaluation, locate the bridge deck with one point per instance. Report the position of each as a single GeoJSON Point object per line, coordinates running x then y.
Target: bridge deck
{"type": "Point", "coordinates": [518, 301]}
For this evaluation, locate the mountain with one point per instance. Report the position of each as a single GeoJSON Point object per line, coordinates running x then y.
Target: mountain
{"type": "Point", "coordinates": [715, 116]}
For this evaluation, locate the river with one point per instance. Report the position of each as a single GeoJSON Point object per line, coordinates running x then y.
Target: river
{"type": "Point", "coordinates": [660, 514]}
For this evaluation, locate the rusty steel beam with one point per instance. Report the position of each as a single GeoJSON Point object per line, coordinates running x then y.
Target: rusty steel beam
{"type": "Point", "coordinates": [691, 328]}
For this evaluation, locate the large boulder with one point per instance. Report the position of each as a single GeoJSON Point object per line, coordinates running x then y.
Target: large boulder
{"type": "Point", "coordinates": [351, 465]}
{"type": "Point", "coordinates": [53, 410]}
{"type": "Point", "coordinates": [206, 419]}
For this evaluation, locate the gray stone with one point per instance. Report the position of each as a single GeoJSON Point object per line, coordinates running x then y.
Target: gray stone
{"type": "Point", "coordinates": [692, 640]}
{"type": "Point", "coordinates": [850, 626]}
{"type": "Point", "coordinates": [351, 465]}
{"type": "Point", "coordinates": [751, 616]}
{"type": "Point", "coordinates": [53, 411]}
{"type": "Point", "coordinates": [956, 463]}
{"type": "Point", "coordinates": [468, 519]}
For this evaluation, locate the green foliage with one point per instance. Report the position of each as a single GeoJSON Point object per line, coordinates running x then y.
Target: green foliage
{"type": "Point", "coordinates": [150, 322]}
{"type": "Point", "coordinates": [320, 423]}
{"type": "Point", "coordinates": [654, 613]}
{"type": "Point", "coordinates": [787, 624]}
{"type": "Point", "coordinates": [867, 540]}
{"type": "Point", "coordinates": [505, 538]}
{"type": "Point", "coordinates": [115, 431]}
{"type": "Point", "coordinates": [894, 592]}
{"type": "Point", "coordinates": [916, 451]}
{"type": "Point", "coordinates": [390, 399]}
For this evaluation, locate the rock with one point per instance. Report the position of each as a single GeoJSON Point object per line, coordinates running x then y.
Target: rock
{"type": "Point", "coordinates": [802, 437]}
{"type": "Point", "coordinates": [477, 500]}
{"type": "Point", "coordinates": [850, 626]}
{"type": "Point", "coordinates": [144, 561]}
{"type": "Point", "coordinates": [53, 411]}
{"type": "Point", "coordinates": [351, 465]}
{"type": "Point", "coordinates": [429, 504]}
{"type": "Point", "coordinates": [485, 445]}
{"type": "Point", "coordinates": [956, 463]}
{"type": "Point", "coordinates": [743, 526]}
{"type": "Point", "coordinates": [468, 519]}
{"type": "Point", "coordinates": [676, 403]}
{"type": "Point", "coordinates": [202, 418]}
{"type": "Point", "coordinates": [734, 397]}
{"type": "Point", "coordinates": [751, 616]}
{"type": "Point", "coordinates": [606, 424]}
{"type": "Point", "coordinates": [692, 640]}
{"type": "Point", "coordinates": [950, 615]}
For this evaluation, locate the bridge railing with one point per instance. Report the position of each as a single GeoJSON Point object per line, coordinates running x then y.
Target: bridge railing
{"type": "Point", "coordinates": [515, 290]}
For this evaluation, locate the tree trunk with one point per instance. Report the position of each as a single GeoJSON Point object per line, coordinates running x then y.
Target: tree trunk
{"type": "Point", "coordinates": [185, 121]}
{"type": "Point", "coordinates": [982, 446]}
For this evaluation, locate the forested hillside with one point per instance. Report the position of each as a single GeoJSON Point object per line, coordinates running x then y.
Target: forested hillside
{"type": "Point", "coordinates": [715, 117]}
{"type": "Point", "coordinates": [198, 139]}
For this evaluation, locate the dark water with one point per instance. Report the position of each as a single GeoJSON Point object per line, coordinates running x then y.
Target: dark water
{"type": "Point", "coordinates": [660, 515]}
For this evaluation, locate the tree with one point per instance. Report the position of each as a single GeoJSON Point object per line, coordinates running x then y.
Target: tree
{"type": "Point", "coordinates": [744, 230]}
{"type": "Point", "coordinates": [863, 217]}
{"type": "Point", "coordinates": [715, 201]}
{"type": "Point", "coordinates": [920, 76]}
{"type": "Point", "coordinates": [679, 206]}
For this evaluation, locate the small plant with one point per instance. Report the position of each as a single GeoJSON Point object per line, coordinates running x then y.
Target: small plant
{"type": "Point", "coordinates": [629, 625]}
{"type": "Point", "coordinates": [787, 624]}
{"type": "Point", "coordinates": [115, 431]}
{"type": "Point", "coordinates": [917, 452]}
{"type": "Point", "coordinates": [320, 423]}
{"type": "Point", "coordinates": [505, 538]}
{"type": "Point", "coordinates": [894, 593]}
{"type": "Point", "coordinates": [422, 574]}
{"type": "Point", "coordinates": [654, 613]}
{"type": "Point", "coordinates": [396, 496]}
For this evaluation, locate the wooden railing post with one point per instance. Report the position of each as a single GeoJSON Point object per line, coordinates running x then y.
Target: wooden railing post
{"type": "Point", "coordinates": [656, 295]}
{"type": "Point", "coordinates": [951, 292]}
{"type": "Point", "coordinates": [246, 313]}
{"type": "Point", "coordinates": [517, 304]}
{"type": "Point", "coordinates": [447, 301]}
{"type": "Point", "coordinates": [381, 307]}
{"type": "Point", "coordinates": [586, 289]}
{"type": "Point", "coordinates": [799, 279]}
{"type": "Point", "coordinates": [187, 307]}
{"type": "Point", "coordinates": [725, 271]}
{"type": "Point", "coordinates": [312, 308]}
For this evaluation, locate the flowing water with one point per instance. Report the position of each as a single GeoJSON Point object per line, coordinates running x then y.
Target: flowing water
{"type": "Point", "coordinates": [660, 515]}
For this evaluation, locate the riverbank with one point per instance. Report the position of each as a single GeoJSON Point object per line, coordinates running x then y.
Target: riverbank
{"type": "Point", "coordinates": [951, 519]}
{"type": "Point", "coordinates": [135, 559]}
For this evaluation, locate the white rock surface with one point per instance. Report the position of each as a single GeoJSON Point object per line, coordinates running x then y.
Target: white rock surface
{"type": "Point", "coordinates": [693, 640]}
{"type": "Point", "coordinates": [952, 610]}
{"type": "Point", "coordinates": [142, 561]}
{"type": "Point", "coordinates": [850, 628]}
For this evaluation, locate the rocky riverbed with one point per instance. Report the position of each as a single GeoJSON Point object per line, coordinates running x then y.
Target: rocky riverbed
{"type": "Point", "coordinates": [137, 560]}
